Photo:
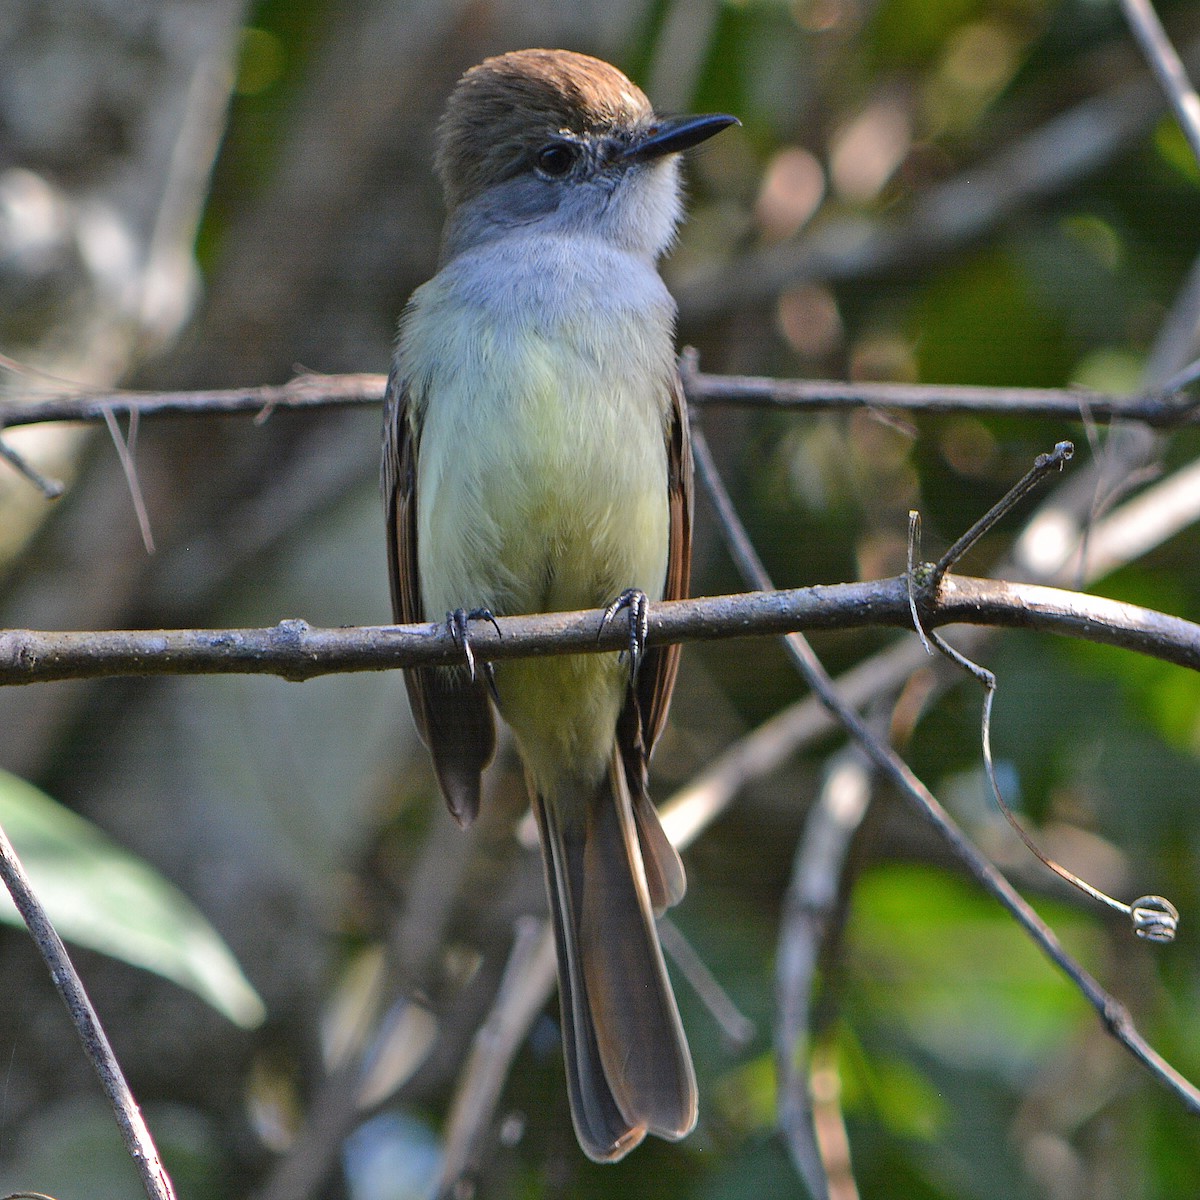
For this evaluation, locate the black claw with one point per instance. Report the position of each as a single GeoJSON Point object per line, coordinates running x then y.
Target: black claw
{"type": "Point", "coordinates": [634, 601]}
{"type": "Point", "coordinates": [457, 623]}
{"type": "Point", "coordinates": [489, 678]}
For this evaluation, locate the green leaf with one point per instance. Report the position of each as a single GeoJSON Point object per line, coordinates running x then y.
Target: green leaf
{"type": "Point", "coordinates": [102, 897]}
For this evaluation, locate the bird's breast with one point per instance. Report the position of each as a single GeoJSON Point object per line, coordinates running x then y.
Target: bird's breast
{"type": "Point", "coordinates": [542, 410]}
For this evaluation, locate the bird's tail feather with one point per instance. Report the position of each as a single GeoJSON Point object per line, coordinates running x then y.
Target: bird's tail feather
{"type": "Point", "coordinates": [629, 1071]}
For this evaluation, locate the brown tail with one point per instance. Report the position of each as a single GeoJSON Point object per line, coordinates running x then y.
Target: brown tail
{"type": "Point", "coordinates": [629, 1071]}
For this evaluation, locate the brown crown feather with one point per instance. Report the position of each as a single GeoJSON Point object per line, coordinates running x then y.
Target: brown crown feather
{"type": "Point", "coordinates": [508, 105]}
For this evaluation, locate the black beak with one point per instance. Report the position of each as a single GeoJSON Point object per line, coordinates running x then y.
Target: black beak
{"type": "Point", "coordinates": [669, 135]}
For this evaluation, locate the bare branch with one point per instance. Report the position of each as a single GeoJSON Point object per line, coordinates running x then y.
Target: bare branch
{"type": "Point", "coordinates": [524, 989]}
{"type": "Point", "coordinates": [1167, 67]}
{"type": "Point", "coordinates": [1159, 408]}
{"type": "Point", "coordinates": [50, 488]}
{"type": "Point", "coordinates": [737, 1030]}
{"type": "Point", "coordinates": [125, 448]}
{"type": "Point", "coordinates": [132, 1125]}
{"type": "Point", "coordinates": [809, 912]}
{"type": "Point", "coordinates": [304, 391]}
{"type": "Point", "coordinates": [1044, 464]}
{"type": "Point", "coordinates": [296, 650]}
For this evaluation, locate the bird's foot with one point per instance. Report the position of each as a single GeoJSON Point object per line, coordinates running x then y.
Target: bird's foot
{"type": "Point", "coordinates": [458, 623]}
{"type": "Point", "coordinates": [635, 603]}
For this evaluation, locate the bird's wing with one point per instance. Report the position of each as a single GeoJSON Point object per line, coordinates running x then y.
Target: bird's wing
{"type": "Point", "coordinates": [656, 679]}
{"type": "Point", "coordinates": [645, 711]}
{"type": "Point", "coordinates": [453, 713]}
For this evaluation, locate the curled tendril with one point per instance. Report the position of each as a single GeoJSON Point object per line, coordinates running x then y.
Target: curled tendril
{"type": "Point", "coordinates": [1154, 918]}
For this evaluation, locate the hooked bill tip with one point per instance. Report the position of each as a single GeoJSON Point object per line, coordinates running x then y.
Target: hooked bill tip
{"type": "Point", "coordinates": [673, 134]}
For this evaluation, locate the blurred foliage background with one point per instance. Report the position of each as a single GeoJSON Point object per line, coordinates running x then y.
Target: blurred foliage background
{"type": "Point", "coordinates": [206, 192]}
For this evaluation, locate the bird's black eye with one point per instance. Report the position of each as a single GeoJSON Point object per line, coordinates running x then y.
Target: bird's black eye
{"type": "Point", "coordinates": [556, 159]}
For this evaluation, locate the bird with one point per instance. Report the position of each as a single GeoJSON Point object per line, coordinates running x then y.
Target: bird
{"type": "Point", "coordinates": [536, 459]}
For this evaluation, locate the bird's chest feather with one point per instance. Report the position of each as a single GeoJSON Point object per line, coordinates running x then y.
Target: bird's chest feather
{"type": "Point", "coordinates": [542, 472]}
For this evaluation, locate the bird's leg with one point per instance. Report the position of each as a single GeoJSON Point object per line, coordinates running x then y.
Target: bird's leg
{"type": "Point", "coordinates": [635, 603]}
{"type": "Point", "coordinates": [457, 623]}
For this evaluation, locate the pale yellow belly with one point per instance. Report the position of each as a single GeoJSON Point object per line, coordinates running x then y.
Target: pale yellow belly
{"type": "Point", "coordinates": [546, 492]}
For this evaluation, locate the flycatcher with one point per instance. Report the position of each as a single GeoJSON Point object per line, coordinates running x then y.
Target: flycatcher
{"type": "Point", "coordinates": [536, 459]}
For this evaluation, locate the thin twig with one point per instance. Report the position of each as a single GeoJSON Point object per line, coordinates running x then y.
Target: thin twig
{"type": "Point", "coordinates": [1162, 407]}
{"type": "Point", "coordinates": [304, 391]}
{"type": "Point", "coordinates": [126, 448]}
{"type": "Point", "coordinates": [50, 488]}
{"type": "Point", "coordinates": [1167, 66]}
{"type": "Point", "coordinates": [1043, 465]}
{"type": "Point", "coordinates": [809, 909]}
{"type": "Point", "coordinates": [914, 553]}
{"type": "Point", "coordinates": [736, 1028]}
{"type": "Point", "coordinates": [1114, 1014]}
{"type": "Point", "coordinates": [521, 996]}
{"type": "Point", "coordinates": [1175, 342]}
{"type": "Point", "coordinates": [134, 1131]}
{"type": "Point", "coordinates": [1179, 382]}
{"type": "Point", "coordinates": [1159, 408]}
